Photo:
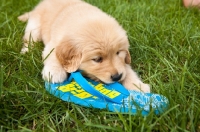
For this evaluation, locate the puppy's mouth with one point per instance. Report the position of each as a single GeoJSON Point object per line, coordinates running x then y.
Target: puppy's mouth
{"type": "Point", "coordinates": [91, 77]}
{"type": "Point", "coordinates": [96, 78]}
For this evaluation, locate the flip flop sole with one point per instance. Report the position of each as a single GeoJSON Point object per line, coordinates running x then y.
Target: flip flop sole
{"type": "Point", "coordinates": [71, 91]}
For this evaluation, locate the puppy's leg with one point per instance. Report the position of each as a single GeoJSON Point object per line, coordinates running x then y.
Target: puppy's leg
{"type": "Point", "coordinates": [133, 82]}
{"type": "Point", "coordinates": [53, 70]}
{"type": "Point", "coordinates": [32, 31]}
{"type": "Point", "coordinates": [24, 17]}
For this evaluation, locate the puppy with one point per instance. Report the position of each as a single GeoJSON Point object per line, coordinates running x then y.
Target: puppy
{"type": "Point", "coordinates": [80, 36]}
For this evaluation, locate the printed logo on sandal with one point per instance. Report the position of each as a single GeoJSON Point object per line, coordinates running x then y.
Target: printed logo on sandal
{"type": "Point", "coordinates": [75, 89]}
{"type": "Point", "coordinates": [109, 93]}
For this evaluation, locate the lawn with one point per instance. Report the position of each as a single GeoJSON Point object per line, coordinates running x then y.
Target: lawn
{"type": "Point", "coordinates": [165, 51]}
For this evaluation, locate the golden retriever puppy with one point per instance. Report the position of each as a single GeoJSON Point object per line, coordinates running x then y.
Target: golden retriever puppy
{"type": "Point", "coordinates": [79, 36]}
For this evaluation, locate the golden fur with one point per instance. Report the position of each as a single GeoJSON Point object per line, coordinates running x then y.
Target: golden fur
{"type": "Point", "coordinates": [78, 35]}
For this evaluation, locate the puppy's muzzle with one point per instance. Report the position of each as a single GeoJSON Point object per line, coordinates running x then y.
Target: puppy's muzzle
{"type": "Point", "coordinates": [116, 77]}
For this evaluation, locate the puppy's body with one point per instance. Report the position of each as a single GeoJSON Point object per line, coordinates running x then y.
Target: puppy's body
{"type": "Point", "coordinates": [80, 36]}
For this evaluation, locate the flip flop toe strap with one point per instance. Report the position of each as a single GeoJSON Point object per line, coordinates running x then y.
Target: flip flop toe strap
{"type": "Point", "coordinates": [112, 93]}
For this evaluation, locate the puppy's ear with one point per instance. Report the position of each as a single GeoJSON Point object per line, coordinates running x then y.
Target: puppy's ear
{"type": "Point", "coordinates": [128, 58]}
{"type": "Point", "coordinates": [69, 56]}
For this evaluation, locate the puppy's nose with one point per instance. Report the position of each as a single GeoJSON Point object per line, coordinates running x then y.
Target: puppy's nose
{"type": "Point", "coordinates": [116, 77]}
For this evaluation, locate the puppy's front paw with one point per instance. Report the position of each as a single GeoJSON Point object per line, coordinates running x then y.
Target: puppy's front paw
{"type": "Point", "coordinates": [138, 87]}
{"type": "Point", "coordinates": [54, 74]}
{"type": "Point", "coordinates": [145, 88]}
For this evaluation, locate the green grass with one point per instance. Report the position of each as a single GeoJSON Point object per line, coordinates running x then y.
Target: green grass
{"type": "Point", "coordinates": [165, 50]}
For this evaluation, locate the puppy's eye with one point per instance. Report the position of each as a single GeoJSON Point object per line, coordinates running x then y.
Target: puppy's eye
{"type": "Point", "coordinates": [118, 52]}
{"type": "Point", "coordinates": [98, 59]}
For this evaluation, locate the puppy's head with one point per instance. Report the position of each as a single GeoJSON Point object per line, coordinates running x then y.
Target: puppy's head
{"type": "Point", "coordinates": [100, 51]}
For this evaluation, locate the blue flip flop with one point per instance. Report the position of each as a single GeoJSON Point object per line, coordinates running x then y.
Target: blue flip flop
{"type": "Point", "coordinates": [114, 97]}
